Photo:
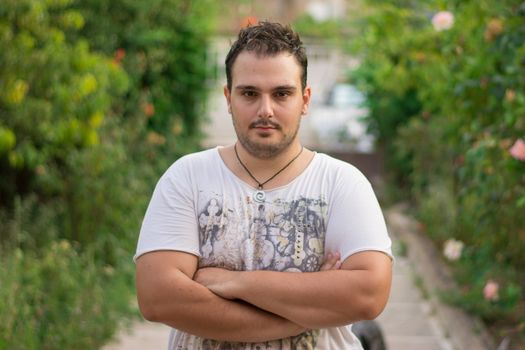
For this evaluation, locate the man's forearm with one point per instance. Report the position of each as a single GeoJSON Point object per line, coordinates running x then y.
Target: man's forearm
{"type": "Point", "coordinates": [313, 300]}
{"type": "Point", "coordinates": [207, 315]}
{"type": "Point", "coordinates": [190, 307]}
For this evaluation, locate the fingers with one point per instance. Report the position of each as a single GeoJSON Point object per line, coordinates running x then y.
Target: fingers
{"type": "Point", "coordinates": [337, 265]}
{"type": "Point", "coordinates": [332, 262]}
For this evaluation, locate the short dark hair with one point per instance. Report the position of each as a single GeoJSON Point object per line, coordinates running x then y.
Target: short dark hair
{"type": "Point", "coordinates": [267, 39]}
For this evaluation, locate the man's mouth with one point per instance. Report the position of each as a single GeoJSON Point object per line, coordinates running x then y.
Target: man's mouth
{"type": "Point", "coordinates": [264, 126]}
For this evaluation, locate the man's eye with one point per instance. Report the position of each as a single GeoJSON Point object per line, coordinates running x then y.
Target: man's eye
{"type": "Point", "coordinates": [282, 93]}
{"type": "Point", "coordinates": [249, 93]}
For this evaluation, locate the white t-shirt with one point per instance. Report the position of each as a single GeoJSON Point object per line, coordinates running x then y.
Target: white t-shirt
{"type": "Point", "coordinates": [201, 207]}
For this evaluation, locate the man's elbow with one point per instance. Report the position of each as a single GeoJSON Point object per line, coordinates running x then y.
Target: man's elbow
{"type": "Point", "coordinates": [368, 304]}
{"type": "Point", "coordinates": [153, 306]}
{"type": "Point", "coordinates": [372, 309]}
{"type": "Point", "coordinates": [364, 308]}
{"type": "Point", "coordinates": [149, 310]}
{"type": "Point", "coordinates": [374, 302]}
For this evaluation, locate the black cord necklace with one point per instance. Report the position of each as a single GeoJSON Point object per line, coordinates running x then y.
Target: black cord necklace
{"type": "Point", "coordinates": [259, 195]}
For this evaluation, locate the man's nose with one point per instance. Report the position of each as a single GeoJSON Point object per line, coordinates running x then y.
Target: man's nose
{"type": "Point", "coordinates": [265, 107]}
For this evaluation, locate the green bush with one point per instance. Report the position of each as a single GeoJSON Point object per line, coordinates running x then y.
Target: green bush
{"type": "Point", "coordinates": [66, 151]}
{"type": "Point", "coordinates": [59, 298]}
{"type": "Point", "coordinates": [56, 294]}
{"type": "Point", "coordinates": [385, 75]}
{"type": "Point", "coordinates": [54, 94]}
{"type": "Point", "coordinates": [97, 98]}
{"type": "Point", "coordinates": [449, 102]}
{"type": "Point", "coordinates": [331, 31]}
{"type": "Point", "coordinates": [163, 46]}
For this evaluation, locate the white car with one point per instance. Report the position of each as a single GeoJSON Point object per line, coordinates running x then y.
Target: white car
{"type": "Point", "coordinates": [339, 124]}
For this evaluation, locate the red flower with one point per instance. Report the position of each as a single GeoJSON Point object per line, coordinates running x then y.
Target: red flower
{"type": "Point", "coordinates": [119, 55]}
{"type": "Point", "coordinates": [149, 109]}
{"type": "Point", "coordinates": [248, 21]}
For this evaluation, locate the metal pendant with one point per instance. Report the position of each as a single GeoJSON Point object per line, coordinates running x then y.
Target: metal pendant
{"type": "Point", "coordinates": [259, 196]}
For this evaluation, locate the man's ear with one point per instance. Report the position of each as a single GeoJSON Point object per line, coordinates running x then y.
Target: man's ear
{"type": "Point", "coordinates": [228, 97]}
{"type": "Point", "coordinates": [307, 95]}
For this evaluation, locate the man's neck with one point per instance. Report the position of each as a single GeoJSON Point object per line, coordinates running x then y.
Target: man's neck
{"type": "Point", "coordinates": [274, 163]}
{"type": "Point", "coordinates": [264, 169]}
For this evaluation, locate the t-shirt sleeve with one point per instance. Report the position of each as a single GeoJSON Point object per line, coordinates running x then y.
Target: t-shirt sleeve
{"type": "Point", "coordinates": [356, 222]}
{"type": "Point", "coordinates": [170, 222]}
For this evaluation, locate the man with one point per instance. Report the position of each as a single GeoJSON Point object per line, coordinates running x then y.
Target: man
{"type": "Point", "coordinates": [263, 244]}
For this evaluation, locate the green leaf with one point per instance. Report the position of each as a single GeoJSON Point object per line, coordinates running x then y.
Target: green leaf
{"type": "Point", "coordinates": [7, 140]}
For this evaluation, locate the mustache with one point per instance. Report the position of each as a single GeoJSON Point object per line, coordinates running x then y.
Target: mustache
{"type": "Point", "coordinates": [265, 124]}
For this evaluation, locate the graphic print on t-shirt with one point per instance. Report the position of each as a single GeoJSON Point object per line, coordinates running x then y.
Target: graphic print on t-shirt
{"type": "Point", "coordinates": [278, 236]}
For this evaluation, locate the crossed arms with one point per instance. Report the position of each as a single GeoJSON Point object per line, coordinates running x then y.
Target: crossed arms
{"type": "Point", "coordinates": [254, 306]}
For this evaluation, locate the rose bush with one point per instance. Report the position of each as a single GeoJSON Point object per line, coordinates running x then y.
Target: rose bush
{"type": "Point", "coordinates": [446, 89]}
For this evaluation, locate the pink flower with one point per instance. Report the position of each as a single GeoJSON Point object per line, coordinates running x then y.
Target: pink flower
{"type": "Point", "coordinates": [452, 249]}
{"type": "Point", "coordinates": [490, 291]}
{"type": "Point", "coordinates": [443, 20]}
{"type": "Point", "coordinates": [518, 150]}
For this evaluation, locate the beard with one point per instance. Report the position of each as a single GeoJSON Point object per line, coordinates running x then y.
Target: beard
{"type": "Point", "coordinates": [264, 150]}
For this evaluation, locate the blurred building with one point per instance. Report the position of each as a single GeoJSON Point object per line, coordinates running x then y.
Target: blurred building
{"type": "Point", "coordinates": [237, 13]}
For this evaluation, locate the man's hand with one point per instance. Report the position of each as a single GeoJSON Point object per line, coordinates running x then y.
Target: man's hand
{"type": "Point", "coordinates": [219, 281]}
{"type": "Point", "coordinates": [222, 282]}
{"type": "Point", "coordinates": [332, 262]}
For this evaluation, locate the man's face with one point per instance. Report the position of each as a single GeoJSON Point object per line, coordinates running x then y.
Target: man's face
{"type": "Point", "coordinates": [266, 102]}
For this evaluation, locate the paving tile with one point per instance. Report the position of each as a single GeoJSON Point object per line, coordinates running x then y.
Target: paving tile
{"type": "Point", "coordinates": [404, 290]}
{"type": "Point", "coordinates": [402, 266]}
{"type": "Point", "coordinates": [143, 335]}
{"type": "Point", "coordinates": [413, 343]}
{"type": "Point", "coordinates": [405, 319]}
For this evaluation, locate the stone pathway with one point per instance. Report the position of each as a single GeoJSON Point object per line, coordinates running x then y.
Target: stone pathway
{"type": "Point", "coordinates": [407, 322]}
{"type": "Point", "coordinates": [142, 336]}
{"type": "Point", "coordinates": [451, 327]}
